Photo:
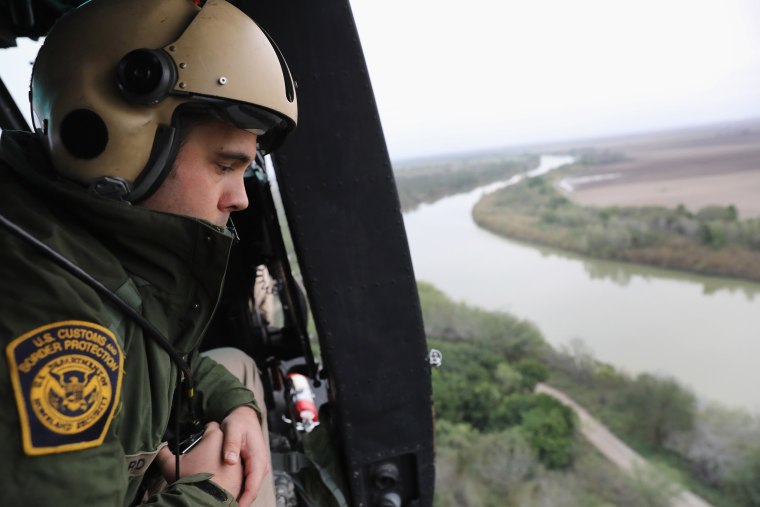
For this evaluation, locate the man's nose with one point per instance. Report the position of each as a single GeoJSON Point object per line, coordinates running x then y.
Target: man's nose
{"type": "Point", "coordinates": [236, 197]}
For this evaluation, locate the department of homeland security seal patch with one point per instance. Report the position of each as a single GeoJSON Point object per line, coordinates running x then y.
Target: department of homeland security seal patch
{"type": "Point", "coordinates": [67, 380]}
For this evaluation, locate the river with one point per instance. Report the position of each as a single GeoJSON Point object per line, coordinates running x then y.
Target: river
{"type": "Point", "coordinates": [704, 331]}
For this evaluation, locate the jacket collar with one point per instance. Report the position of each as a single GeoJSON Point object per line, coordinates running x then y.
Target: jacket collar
{"type": "Point", "coordinates": [183, 258]}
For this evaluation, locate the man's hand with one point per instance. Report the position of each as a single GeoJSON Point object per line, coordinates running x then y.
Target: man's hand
{"type": "Point", "coordinates": [206, 457]}
{"type": "Point", "coordinates": [235, 452]}
{"type": "Point", "coordinates": [243, 438]}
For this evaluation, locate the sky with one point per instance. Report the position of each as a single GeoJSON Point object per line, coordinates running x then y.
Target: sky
{"type": "Point", "coordinates": [16, 70]}
{"type": "Point", "coordinates": [462, 76]}
{"type": "Point", "coordinates": [453, 76]}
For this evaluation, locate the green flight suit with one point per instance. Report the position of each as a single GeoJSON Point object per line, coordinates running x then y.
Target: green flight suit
{"type": "Point", "coordinates": [168, 267]}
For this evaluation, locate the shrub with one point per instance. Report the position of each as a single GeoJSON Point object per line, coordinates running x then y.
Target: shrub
{"type": "Point", "coordinates": [508, 379]}
{"type": "Point", "coordinates": [743, 482]}
{"type": "Point", "coordinates": [658, 408]}
{"type": "Point", "coordinates": [548, 425]}
{"type": "Point", "coordinates": [653, 487]}
{"type": "Point", "coordinates": [718, 442]}
{"type": "Point", "coordinates": [532, 372]}
{"type": "Point", "coordinates": [500, 333]}
{"type": "Point", "coordinates": [479, 470]}
{"type": "Point", "coordinates": [727, 213]}
{"type": "Point", "coordinates": [551, 431]}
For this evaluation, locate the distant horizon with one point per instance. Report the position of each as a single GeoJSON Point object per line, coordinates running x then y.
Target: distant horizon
{"type": "Point", "coordinates": [572, 143]}
{"type": "Point", "coordinates": [451, 77]}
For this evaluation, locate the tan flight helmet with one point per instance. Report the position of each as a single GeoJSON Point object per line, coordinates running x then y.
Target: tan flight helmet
{"type": "Point", "coordinates": [113, 77]}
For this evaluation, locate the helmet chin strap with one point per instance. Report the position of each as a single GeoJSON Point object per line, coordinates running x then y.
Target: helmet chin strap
{"type": "Point", "coordinates": [160, 162]}
{"type": "Point", "coordinates": [159, 165]}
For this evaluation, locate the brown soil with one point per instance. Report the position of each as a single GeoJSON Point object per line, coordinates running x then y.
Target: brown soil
{"type": "Point", "coordinates": [696, 167]}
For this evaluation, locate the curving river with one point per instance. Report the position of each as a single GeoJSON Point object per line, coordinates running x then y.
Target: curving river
{"type": "Point", "coordinates": [704, 331]}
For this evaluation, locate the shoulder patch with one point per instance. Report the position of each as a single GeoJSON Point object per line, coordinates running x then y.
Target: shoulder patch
{"type": "Point", "coordinates": [67, 380]}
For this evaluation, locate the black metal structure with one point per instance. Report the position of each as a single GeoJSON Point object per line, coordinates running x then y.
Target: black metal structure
{"type": "Point", "coordinates": [343, 211]}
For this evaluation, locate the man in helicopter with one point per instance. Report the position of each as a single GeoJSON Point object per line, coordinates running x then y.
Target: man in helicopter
{"type": "Point", "coordinates": [117, 210]}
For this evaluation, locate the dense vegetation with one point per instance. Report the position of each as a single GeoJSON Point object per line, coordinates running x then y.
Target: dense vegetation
{"type": "Point", "coordinates": [500, 444]}
{"type": "Point", "coordinates": [714, 450]}
{"type": "Point", "coordinates": [497, 443]}
{"type": "Point", "coordinates": [710, 241]}
{"type": "Point", "coordinates": [424, 183]}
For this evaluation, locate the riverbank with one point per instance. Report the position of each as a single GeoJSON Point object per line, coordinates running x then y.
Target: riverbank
{"type": "Point", "coordinates": [622, 311]}
{"type": "Point", "coordinates": [498, 445]}
{"type": "Point", "coordinates": [710, 241]}
{"type": "Point", "coordinates": [428, 181]}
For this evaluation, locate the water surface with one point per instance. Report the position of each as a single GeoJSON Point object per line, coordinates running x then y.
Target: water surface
{"type": "Point", "coordinates": [704, 331]}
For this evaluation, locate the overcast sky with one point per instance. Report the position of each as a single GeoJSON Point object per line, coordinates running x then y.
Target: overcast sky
{"type": "Point", "coordinates": [16, 69]}
{"type": "Point", "coordinates": [457, 76]}
{"type": "Point", "coordinates": [453, 76]}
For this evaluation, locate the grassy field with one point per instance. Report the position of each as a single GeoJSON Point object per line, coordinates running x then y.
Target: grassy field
{"type": "Point", "coordinates": [613, 204]}
{"type": "Point", "coordinates": [697, 167]}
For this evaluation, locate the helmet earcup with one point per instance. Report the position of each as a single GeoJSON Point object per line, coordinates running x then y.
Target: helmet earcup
{"type": "Point", "coordinates": [146, 76]}
{"type": "Point", "coordinates": [84, 134]}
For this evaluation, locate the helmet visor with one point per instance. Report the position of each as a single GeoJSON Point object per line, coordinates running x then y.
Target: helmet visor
{"type": "Point", "coordinates": [267, 125]}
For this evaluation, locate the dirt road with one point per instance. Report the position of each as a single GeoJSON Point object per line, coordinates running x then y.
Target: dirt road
{"type": "Point", "coordinates": [613, 448]}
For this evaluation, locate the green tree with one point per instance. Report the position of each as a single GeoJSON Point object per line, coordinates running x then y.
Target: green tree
{"type": "Point", "coordinates": [532, 371]}
{"type": "Point", "coordinates": [713, 234]}
{"type": "Point", "coordinates": [548, 425]}
{"type": "Point", "coordinates": [551, 432]}
{"type": "Point", "coordinates": [728, 213]}
{"type": "Point", "coordinates": [653, 486]}
{"type": "Point", "coordinates": [499, 335]}
{"type": "Point", "coordinates": [657, 408]}
{"type": "Point", "coordinates": [480, 470]}
{"type": "Point", "coordinates": [508, 379]}
{"type": "Point", "coordinates": [744, 481]}
{"type": "Point", "coordinates": [464, 390]}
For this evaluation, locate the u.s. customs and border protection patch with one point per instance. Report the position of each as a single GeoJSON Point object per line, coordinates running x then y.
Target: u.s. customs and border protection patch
{"type": "Point", "coordinates": [67, 380]}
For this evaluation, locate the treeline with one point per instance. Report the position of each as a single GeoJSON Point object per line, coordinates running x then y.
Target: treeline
{"type": "Point", "coordinates": [715, 450]}
{"type": "Point", "coordinates": [711, 241]}
{"type": "Point", "coordinates": [498, 443]}
{"type": "Point", "coordinates": [430, 182]}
